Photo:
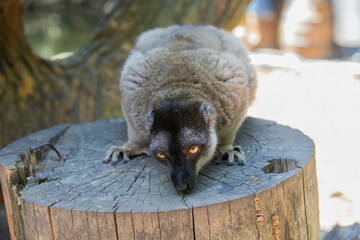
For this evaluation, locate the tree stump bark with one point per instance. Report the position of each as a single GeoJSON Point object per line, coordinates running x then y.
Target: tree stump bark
{"type": "Point", "coordinates": [274, 196]}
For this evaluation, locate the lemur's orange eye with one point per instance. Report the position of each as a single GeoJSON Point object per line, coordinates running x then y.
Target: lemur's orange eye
{"type": "Point", "coordinates": [160, 155]}
{"type": "Point", "coordinates": [194, 149]}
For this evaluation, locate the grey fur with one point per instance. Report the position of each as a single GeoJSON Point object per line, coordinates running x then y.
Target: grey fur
{"type": "Point", "coordinates": [198, 63]}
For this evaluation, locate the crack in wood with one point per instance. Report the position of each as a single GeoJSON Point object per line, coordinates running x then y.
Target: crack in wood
{"type": "Point", "coordinates": [111, 183]}
{"type": "Point", "coordinates": [158, 220]}
{"type": "Point", "coordinates": [50, 223]}
{"type": "Point", "coordinates": [184, 201]}
{"type": "Point", "coordinates": [258, 215]}
{"type": "Point", "coordinates": [72, 199]}
{"type": "Point", "coordinates": [275, 227]}
{"type": "Point", "coordinates": [116, 226]}
{"type": "Point", "coordinates": [193, 223]}
{"type": "Point", "coordinates": [136, 178]}
{"type": "Point", "coordinates": [33, 157]}
{"type": "Point", "coordinates": [115, 207]}
{"type": "Point", "coordinates": [55, 203]}
{"type": "Point", "coordinates": [215, 179]}
{"type": "Point", "coordinates": [95, 179]}
{"type": "Point", "coordinates": [304, 192]}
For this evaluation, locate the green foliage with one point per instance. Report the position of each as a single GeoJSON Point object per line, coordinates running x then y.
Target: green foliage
{"type": "Point", "coordinates": [55, 26]}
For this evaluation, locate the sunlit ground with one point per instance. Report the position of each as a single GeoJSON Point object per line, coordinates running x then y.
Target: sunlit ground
{"type": "Point", "coordinates": [321, 98]}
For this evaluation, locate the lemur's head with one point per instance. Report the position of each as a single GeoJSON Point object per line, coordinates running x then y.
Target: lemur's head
{"type": "Point", "coordinates": [182, 135]}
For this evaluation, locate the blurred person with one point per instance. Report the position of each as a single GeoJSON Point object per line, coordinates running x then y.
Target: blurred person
{"type": "Point", "coordinates": [261, 24]}
{"type": "Point", "coordinates": [346, 32]}
{"type": "Point", "coordinates": [306, 28]}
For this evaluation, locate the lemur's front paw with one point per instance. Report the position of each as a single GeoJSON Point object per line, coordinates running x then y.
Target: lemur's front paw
{"type": "Point", "coordinates": [236, 154]}
{"type": "Point", "coordinates": [122, 154]}
{"type": "Point", "coordinates": [116, 154]}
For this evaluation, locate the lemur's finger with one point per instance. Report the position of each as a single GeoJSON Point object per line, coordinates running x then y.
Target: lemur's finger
{"type": "Point", "coordinates": [126, 156]}
{"type": "Point", "coordinates": [230, 159]}
{"type": "Point", "coordinates": [115, 157]}
{"type": "Point", "coordinates": [108, 155]}
{"type": "Point", "coordinates": [240, 157]}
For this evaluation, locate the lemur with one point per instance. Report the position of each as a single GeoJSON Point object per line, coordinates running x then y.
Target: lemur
{"type": "Point", "coordinates": [185, 92]}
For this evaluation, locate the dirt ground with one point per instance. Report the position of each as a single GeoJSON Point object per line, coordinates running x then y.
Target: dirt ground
{"type": "Point", "coordinates": [322, 99]}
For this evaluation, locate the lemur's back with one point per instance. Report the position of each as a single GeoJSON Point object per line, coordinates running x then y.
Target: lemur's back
{"type": "Point", "coordinates": [181, 38]}
{"type": "Point", "coordinates": [190, 37]}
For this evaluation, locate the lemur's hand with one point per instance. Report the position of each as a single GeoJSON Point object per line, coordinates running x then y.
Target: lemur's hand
{"type": "Point", "coordinates": [235, 154]}
{"type": "Point", "coordinates": [122, 154]}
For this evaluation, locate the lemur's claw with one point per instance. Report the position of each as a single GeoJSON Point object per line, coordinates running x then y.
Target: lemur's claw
{"type": "Point", "coordinates": [126, 156]}
{"type": "Point", "coordinates": [239, 153]}
{"type": "Point", "coordinates": [107, 158]}
{"type": "Point", "coordinates": [230, 157]}
{"type": "Point", "coordinates": [115, 155]}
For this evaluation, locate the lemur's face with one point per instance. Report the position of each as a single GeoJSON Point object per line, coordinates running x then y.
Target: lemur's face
{"type": "Point", "coordinates": [185, 152]}
{"type": "Point", "coordinates": [184, 140]}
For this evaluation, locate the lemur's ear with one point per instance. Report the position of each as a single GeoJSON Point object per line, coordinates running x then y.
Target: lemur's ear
{"type": "Point", "coordinates": [149, 119]}
{"type": "Point", "coordinates": [207, 113]}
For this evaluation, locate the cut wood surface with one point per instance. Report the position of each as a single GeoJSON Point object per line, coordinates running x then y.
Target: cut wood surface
{"type": "Point", "coordinates": [274, 196]}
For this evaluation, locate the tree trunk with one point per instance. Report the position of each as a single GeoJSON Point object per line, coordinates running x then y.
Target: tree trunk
{"type": "Point", "coordinates": [35, 93]}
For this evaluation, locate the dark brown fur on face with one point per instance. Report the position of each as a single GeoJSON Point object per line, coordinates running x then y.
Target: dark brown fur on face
{"type": "Point", "coordinates": [176, 126]}
{"type": "Point", "coordinates": [180, 82]}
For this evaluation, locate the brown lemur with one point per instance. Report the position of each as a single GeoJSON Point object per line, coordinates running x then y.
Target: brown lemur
{"type": "Point", "coordinates": [185, 92]}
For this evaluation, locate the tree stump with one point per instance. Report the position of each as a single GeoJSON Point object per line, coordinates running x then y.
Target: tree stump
{"type": "Point", "coordinates": [274, 196]}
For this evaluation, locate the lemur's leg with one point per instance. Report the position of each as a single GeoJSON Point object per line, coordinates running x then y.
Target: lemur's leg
{"type": "Point", "coordinates": [137, 144]}
{"type": "Point", "coordinates": [123, 153]}
{"type": "Point", "coordinates": [230, 154]}
{"type": "Point", "coordinates": [226, 151]}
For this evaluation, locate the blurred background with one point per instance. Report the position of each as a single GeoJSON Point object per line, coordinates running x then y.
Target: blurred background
{"type": "Point", "coordinates": [309, 28]}
{"type": "Point", "coordinates": [306, 53]}
{"type": "Point", "coordinates": [61, 26]}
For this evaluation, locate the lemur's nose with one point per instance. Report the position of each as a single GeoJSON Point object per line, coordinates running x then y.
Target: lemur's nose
{"type": "Point", "coordinates": [182, 179]}
{"type": "Point", "coordinates": [183, 188]}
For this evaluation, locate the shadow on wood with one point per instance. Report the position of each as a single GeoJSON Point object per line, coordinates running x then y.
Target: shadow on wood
{"type": "Point", "coordinates": [274, 196]}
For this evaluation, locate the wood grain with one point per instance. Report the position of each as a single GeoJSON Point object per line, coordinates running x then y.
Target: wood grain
{"type": "Point", "coordinates": [274, 196]}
